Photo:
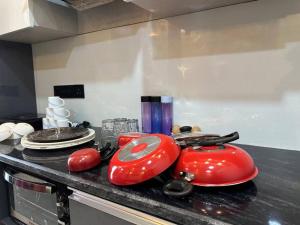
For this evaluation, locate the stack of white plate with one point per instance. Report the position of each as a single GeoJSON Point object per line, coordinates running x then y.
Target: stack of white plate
{"type": "Point", "coordinates": [57, 145]}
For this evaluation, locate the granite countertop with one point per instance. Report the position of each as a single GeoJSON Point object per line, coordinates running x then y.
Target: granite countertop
{"type": "Point", "coordinates": [272, 198]}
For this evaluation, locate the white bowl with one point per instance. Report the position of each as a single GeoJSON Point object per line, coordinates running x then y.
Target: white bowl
{"type": "Point", "coordinates": [23, 129]}
{"type": "Point", "coordinates": [15, 136]}
{"type": "Point", "coordinates": [5, 133]}
{"type": "Point", "coordinates": [9, 125]}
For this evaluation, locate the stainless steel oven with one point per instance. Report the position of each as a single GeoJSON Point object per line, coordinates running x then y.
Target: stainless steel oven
{"type": "Point", "coordinates": [34, 201]}
{"type": "Point", "coordinates": [98, 211]}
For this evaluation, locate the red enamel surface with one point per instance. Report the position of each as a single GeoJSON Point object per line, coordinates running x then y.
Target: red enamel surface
{"type": "Point", "coordinates": [126, 138]}
{"type": "Point", "coordinates": [83, 159]}
{"type": "Point", "coordinates": [145, 168]}
{"type": "Point", "coordinates": [219, 167]}
{"type": "Point", "coordinates": [139, 148]}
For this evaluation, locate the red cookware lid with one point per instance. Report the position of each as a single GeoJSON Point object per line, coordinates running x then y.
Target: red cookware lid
{"type": "Point", "coordinates": [83, 159]}
{"type": "Point", "coordinates": [142, 159]}
{"type": "Point", "coordinates": [216, 165]}
{"type": "Point", "coordinates": [125, 138]}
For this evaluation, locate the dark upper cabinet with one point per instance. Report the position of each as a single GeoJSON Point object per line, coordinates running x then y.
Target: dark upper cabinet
{"type": "Point", "coordinates": [17, 90]}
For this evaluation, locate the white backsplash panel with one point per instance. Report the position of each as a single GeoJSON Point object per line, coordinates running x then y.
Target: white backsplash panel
{"type": "Point", "coordinates": [229, 69]}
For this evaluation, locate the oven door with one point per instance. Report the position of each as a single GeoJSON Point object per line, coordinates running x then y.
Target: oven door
{"type": "Point", "coordinates": [32, 201]}
{"type": "Point", "coordinates": [97, 211]}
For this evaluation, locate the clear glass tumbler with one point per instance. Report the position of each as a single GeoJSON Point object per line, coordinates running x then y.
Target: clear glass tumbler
{"type": "Point", "coordinates": [133, 125]}
{"type": "Point", "coordinates": [107, 133]}
{"type": "Point", "coordinates": [120, 126]}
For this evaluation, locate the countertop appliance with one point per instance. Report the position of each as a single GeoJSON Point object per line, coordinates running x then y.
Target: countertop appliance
{"type": "Point", "coordinates": [36, 202]}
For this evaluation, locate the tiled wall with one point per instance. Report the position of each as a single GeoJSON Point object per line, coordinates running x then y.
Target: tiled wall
{"type": "Point", "coordinates": [232, 68]}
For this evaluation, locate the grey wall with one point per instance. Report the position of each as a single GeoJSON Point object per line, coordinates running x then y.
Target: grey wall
{"type": "Point", "coordinates": [17, 91]}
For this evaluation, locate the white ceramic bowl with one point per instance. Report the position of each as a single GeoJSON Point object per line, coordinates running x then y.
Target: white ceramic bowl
{"type": "Point", "coordinates": [15, 136]}
{"type": "Point", "coordinates": [5, 133]}
{"type": "Point", "coordinates": [9, 125]}
{"type": "Point", "coordinates": [23, 129]}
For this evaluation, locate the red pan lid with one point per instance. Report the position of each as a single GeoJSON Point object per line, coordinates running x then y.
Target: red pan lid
{"type": "Point", "coordinates": [142, 159]}
{"type": "Point", "coordinates": [216, 165]}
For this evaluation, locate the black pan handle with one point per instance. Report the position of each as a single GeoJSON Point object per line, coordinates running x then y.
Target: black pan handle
{"type": "Point", "coordinates": [107, 152]}
{"type": "Point", "coordinates": [177, 188]}
{"type": "Point", "coordinates": [218, 140]}
{"type": "Point", "coordinates": [185, 129]}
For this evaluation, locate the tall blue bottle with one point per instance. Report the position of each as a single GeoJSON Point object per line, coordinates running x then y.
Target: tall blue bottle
{"type": "Point", "coordinates": [167, 114]}
{"type": "Point", "coordinates": [146, 114]}
{"type": "Point", "coordinates": [156, 114]}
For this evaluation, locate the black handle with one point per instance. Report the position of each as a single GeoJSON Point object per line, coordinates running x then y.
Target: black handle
{"type": "Point", "coordinates": [185, 129]}
{"type": "Point", "coordinates": [107, 152]}
{"type": "Point", "coordinates": [215, 141]}
{"type": "Point", "coordinates": [177, 188]}
{"type": "Point", "coordinates": [84, 124]}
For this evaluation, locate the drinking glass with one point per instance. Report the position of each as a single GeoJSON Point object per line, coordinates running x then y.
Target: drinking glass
{"type": "Point", "coordinates": [120, 126]}
{"type": "Point", "coordinates": [107, 133]}
{"type": "Point", "coordinates": [133, 125]}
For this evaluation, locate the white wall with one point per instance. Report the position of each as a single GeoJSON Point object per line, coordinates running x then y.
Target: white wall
{"type": "Point", "coordinates": [232, 68]}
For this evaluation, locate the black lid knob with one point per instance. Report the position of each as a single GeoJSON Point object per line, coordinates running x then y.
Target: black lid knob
{"type": "Point", "coordinates": [185, 129]}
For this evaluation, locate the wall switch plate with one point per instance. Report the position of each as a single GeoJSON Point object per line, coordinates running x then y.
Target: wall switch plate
{"type": "Point", "coordinates": [69, 91]}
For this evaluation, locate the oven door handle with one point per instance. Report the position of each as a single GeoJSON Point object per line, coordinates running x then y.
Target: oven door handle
{"type": "Point", "coordinates": [43, 187]}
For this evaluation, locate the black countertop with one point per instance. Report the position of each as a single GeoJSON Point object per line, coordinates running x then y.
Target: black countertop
{"type": "Point", "coordinates": [273, 198]}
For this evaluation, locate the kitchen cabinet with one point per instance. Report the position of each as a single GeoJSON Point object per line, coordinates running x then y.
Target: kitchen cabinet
{"type": "Point", "coordinates": [177, 7]}
{"type": "Point", "coordinates": [31, 21]}
{"type": "Point", "coordinates": [17, 92]}
{"type": "Point", "coordinates": [85, 207]}
{"type": "Point", "coordinates": [116, 13]}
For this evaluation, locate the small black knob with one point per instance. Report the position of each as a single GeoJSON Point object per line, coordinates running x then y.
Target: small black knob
{"type": "Point", "coordinates": [185, 129]}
